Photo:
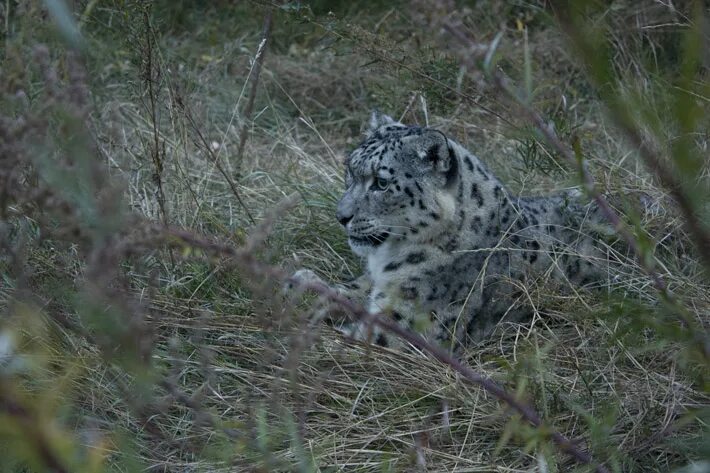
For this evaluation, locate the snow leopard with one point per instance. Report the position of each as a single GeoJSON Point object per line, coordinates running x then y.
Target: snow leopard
{"type": "Point", "coordinates": [448, 249]}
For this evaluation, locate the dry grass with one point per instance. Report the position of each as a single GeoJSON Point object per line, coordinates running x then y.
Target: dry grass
{"type": "Point", "coordinates": [234, 377]}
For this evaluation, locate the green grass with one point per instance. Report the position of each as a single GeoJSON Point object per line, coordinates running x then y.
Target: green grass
{"type": "Point", "coordinates": [169, 360]}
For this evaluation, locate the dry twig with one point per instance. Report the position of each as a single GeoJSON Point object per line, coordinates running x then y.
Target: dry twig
{"type": "Point", "coordinates": [649, 153]}
{"type": "Point", "coordinates": [246, 260]}
{"type": "Point", "coordinates": [215, 159]}
{"type": "Point", "coordinates": [502, 83]}
{"type": "Point", "coordinates": [254, 78]}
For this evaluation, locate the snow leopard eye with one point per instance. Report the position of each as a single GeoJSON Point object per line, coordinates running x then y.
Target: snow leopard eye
{"type": "Point", "coordinates": [381, 184]}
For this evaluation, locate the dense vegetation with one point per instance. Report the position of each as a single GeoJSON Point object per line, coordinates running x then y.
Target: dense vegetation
{"type": "Point", "coordinates": [164, 164]}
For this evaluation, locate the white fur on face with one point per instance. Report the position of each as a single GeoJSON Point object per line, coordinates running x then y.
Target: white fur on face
{"type": "Point", "coordinates": [447, 204]}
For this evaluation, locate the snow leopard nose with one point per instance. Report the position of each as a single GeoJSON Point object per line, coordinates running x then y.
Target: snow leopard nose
{"type": "Point", "coordinates": [343, 217]}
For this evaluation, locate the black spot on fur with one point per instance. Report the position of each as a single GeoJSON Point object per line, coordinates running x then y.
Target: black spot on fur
{"type": "Point", "coordinates": [453, 170]}
{"type": "Point", "coordinates": [392, 266]}
{"type": "Point", "coordinates": [475, 194]}
{"type": "Point", "coordinates": [472, 325]}
{"type": "Point", "coordinates": [449, 323]}
{"type": "Point", "coordinates": [416, 258]}
{"type": "Point", "coordinates": [476, 223]}
{"type": "Point", "coordinates": [381, 340]}
{"type": "Point", "coordinates": [432, 154]}
{"type": "Point", "coordinates": [409, 292]}
{"type": "Point", "coordinates": [452, 244]}
{"type": "Point", "coordinates": [469, 164]}
{"type": "Point", "coordinates": [462, 214]}
{"type": "Point", "coordinates": [533, 244]}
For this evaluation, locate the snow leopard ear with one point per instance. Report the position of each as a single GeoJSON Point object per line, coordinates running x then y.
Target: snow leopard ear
{"type": "Point", "coordinates": [433, 149]}
{"type": "Point", "coordinates": [378, 120]}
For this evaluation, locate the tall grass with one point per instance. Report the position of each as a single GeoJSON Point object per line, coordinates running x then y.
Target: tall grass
{"type": "Point", "coordinates": [154, 194]}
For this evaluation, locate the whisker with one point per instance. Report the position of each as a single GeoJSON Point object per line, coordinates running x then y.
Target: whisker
{"type": "Point", "coordinates": [406, 227]}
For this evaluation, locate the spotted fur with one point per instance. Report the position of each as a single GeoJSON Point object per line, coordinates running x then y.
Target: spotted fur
{"type": "Point", "coordinates": [447, 247]}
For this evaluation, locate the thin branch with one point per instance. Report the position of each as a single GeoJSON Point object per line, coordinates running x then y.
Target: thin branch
{"type": "Point", "coordinates": [650, 154]}
{"type": "Point", "coordinates": [502, 83]}
{"type": "Point", "coordinates": [246, 260]}
{"type": "Point", "coordinates": [254, 77]}
{"type": "Point", "coordinates": [215, 159]}
{"type": "Point", "coordinates": [532, 116]}
{"type": "Point", "coordinates": [150, 76]}
{"type": "Point", "coordinates": [668, 179]}
{"type": "Point", "coordinates": [418, 341]}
